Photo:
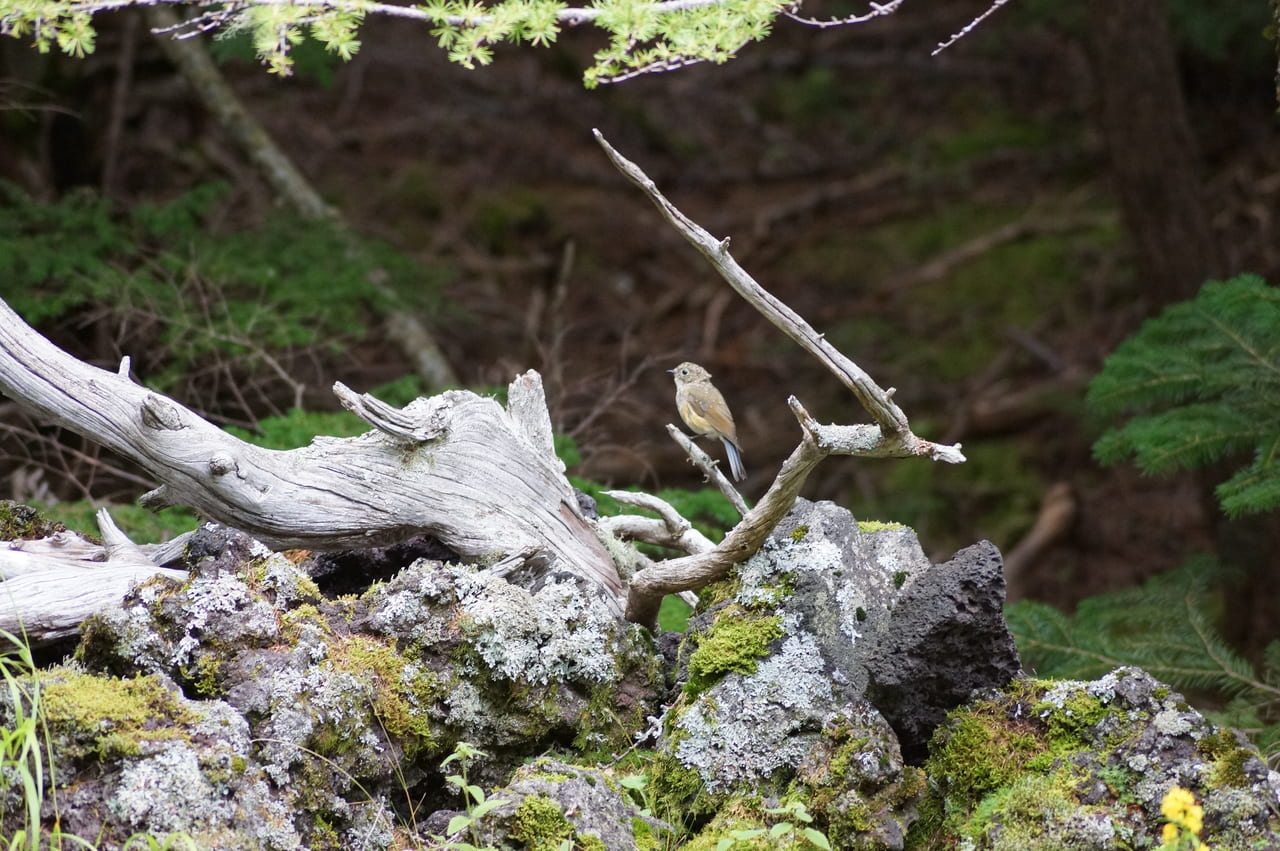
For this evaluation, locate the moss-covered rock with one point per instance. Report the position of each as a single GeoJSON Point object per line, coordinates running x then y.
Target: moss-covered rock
{"type": "Point", "coordinates": [776, 665]}
{"type": "Point", "coordinates": [1085, 765]}
{"type": "Point", "coordinates": [357, 699]}
{"type": "Point", "coordinates": [549, 801]}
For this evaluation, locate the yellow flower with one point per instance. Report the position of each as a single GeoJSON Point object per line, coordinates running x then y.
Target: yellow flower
{"type": "Point", "coordinates": [1177, 801]}
{"type": "Point", "coordinates": [1169, 834]}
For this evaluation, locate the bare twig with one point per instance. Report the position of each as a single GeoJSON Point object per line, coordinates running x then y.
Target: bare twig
{"type": "Point", "coordinates": [710, 468]}
{"type": "Point", "coordinates": [891, 436]}
{"type": "Point", "coordinates": [897, 438]}
{"type": "Point", "coordinates": [877, 10]}
{"type": "Point", "coordinates": [969, 27]}
{"type": "Point", "coordinates": [670, 530]}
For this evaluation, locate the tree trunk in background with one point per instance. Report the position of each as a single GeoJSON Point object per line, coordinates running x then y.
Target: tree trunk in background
{"type": "Point", "coordinates": [1154, 160]}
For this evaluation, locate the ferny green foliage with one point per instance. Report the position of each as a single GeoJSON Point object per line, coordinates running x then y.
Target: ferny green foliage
{"type": "Point", "coordinates": [1201, 382]}
{"type": "Point", "coordinates": [290, 284]}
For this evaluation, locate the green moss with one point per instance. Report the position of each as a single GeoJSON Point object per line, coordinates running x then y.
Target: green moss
{"type": "Point", "coordinates": [867, 526]}
{"type": "Point", "coordinates": [679, 794]}
{"type": "Point", "coordinates": [741, 821]}
{"type": "Point", "coordinates": [1018, 817]}
{"type": "Point", "coordinates": [926, 830]}
{"type": "Point", "coordinates": [204, 676]}
{"type": "Point", "coordinates": [1228, 758]}
{"type": "Point", "coordinates": [721, 591]}
{"type": "Point", "coordinates": [590, 842]}
{"type": "Point", "coordinates": [540, 824]}
{"type": "Point", "coordinates": [899, 577]}
{"type": "Point", "coordinates": [646, 839]}
{"type": "Point", "coordinates": [799, 533]}
{"type": "Point", "coordinates": [110, 717]}
{"type": "Point", "coordinates": [1069, 722]}
{"type": "Point", "coordinates": [403, 690]}
{"type": "Point", "coordinates": [979, 749]}
{"type": "Point", "coordinates": [20, 522]}
{"type": "Point", "coordinates": [734, 643]}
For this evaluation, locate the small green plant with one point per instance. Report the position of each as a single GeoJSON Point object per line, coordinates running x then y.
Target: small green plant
{"type": "Point", "coordinates": [473, 797]}
{"type": "Point", "coordinates": [639, 788]}
{"type": "Point", "coordinates": [793, 831]}
{"type": "Point", "coordinates": [20, 754]}
{"type": "Point", "coordinates": [26, 758]}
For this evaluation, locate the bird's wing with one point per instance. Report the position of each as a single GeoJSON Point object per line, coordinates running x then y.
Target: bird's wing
{"type": "Point", "coordinates": [718, 416]}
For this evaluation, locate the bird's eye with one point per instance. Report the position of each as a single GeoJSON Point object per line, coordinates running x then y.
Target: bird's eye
{"type": "Point", "coordinates": [684, 372]}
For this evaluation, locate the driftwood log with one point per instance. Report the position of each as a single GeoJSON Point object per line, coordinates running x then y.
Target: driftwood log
{"type": "Point", "coordinates": [481, 478]}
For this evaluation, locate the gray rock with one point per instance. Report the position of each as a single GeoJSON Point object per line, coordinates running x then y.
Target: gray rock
{"type": "Point", "coordinates": [947, 638]}
{"type": "Point", "coordinates": [590, 801]}
{"type": "Point", "coordinates": [351, 701]}
{"type": "Point", "coordinates": [823, 622]}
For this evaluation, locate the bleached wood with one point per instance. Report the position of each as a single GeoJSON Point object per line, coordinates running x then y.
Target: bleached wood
{"type": "Point", "coordinates": [671, 530]}
{"type": "Point", "coordinates": [50, 585]}
{"type": "Point", "coordinates": [896, 439]}
{"type": "Point", "coordinates": [456, 466]}
{"type": "Point", "coordinates": [891, 436]}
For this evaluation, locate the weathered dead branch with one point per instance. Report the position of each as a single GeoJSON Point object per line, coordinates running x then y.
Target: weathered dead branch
{"type": "Point", "coordinates": [52, 584]}
{"type": "Point", "coordinates": [481, 479]}
{"type": "Point", "coordinates": [890, 437]}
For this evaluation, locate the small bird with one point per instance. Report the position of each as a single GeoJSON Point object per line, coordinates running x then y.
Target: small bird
{"type": "Point", "coordinates": [703, 409]}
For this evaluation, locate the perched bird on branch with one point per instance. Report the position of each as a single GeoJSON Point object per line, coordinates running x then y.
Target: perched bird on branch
{"type": "Point", "coordinates": [703, 409]}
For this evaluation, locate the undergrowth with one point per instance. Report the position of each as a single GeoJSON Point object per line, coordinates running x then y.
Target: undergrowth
{"type": "Point", "coordinates": [189, 291]}
{"type": "Point", "coordinates": [1197, 384]}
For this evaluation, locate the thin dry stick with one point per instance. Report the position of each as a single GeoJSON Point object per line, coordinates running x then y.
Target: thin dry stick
{"type": "Point", "coordinates": [879, 403]}
{"type": "Point", "coordinates": [891, 436]}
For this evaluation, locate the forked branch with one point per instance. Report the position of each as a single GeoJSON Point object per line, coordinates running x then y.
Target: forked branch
{"type": "Point", "coordinates": [891, 436]}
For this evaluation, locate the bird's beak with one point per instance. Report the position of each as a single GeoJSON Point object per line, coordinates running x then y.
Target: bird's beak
{"type": "Point", "coordinates": [672, 371]}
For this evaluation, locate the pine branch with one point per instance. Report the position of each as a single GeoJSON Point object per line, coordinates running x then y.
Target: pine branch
{"type": "Point", "coordinates": [1202, 382]}
{"type": "Point", "coordinates": [1165, 627]}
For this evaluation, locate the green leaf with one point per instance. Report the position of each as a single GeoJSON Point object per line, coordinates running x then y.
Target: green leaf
{"type": "Point", "coordinates": [817, 838]}
{"type": "Point", "coordinates": [485, 806]}
{"type": "Point", "coordinates": [458, 823]}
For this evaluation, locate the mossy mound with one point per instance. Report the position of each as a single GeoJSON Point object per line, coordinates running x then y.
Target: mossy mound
{"type": "Point", "coordinates": [1085, 765]}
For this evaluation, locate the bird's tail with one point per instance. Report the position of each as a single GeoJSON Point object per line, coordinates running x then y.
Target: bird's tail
{"type": "Point", "coordinates": [735, 460]}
